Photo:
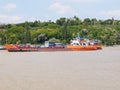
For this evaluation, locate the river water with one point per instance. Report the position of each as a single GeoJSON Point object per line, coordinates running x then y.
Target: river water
{"type": "Point", "coordinates": [67, 70]}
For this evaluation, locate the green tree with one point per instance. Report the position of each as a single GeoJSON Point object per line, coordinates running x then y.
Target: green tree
{"type": "Point", "coordinates": [64, 31]}
{"type": "Point", "coordinates": [14, 34]}
{"type": "Point", "coordinates": [87, 21]}
{"type": "Point", "coordinates": [27, 33]}
{"type": "Point", "coordinates": [61, 21]}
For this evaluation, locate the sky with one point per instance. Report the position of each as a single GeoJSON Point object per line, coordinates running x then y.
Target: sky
{"type": "Point", "coordinates": [16, 11]}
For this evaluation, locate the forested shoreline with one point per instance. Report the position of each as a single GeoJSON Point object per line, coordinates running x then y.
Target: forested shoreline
{"type": "Point", "coordinates": [62, 30]}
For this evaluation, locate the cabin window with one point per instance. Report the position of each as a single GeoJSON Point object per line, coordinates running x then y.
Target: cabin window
{"type": "Point", "coordinates": [81, 44]}
{"type": "Point", "coordinates": [75, 43]}
{"type": "Point", "coordinates": [84, 44]}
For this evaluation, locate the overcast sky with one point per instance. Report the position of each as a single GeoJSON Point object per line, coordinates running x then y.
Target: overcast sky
{"type": "Point", "coordinates": [15, 11]}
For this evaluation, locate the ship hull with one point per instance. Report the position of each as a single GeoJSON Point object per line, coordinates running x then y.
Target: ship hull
{"type": "Point", "coordinates": [14, 48]}
{"type": "Point", "coordinates": [85, 48]}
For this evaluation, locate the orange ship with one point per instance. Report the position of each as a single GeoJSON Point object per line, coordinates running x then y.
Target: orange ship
{"type": "Point", "coordinates": [76, 44]}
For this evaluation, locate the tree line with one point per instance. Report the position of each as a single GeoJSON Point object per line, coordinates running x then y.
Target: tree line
{"type": "Point", "coordinates": [62, 30]}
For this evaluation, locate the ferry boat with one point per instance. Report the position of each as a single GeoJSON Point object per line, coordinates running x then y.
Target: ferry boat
{"type": "Point", "coordinates": [76, 44]}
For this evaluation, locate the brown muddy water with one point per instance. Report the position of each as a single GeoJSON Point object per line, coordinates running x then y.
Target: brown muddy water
{"type": "Point", "coordinates": [70, 70]}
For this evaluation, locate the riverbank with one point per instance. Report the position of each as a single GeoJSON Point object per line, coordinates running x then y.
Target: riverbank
{"type": "Point", "coordinates": [69, 70]}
